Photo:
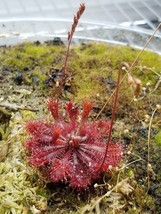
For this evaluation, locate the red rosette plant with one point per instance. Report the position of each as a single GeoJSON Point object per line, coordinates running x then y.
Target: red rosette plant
{"type": "Point", "coordinates": [72, 148]}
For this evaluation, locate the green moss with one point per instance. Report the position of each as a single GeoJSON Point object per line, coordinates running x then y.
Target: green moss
{"type": "Point", "coordinates": [150, 202]}
{"type": "Point", "coordinates": [91, 65]}
{"type": "Point", "coordinates": [28, 54]}
{"type": "Point", "coordinates": [97, 62]}
{"type": "Point", "coordinates": [158, 138]}
{"type": "Point", "coordinates": [17, 193]}
{"type": "Point", "coordinates": [26, 114]}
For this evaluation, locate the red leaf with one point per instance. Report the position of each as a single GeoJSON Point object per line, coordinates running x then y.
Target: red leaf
{"type": "Point", "coordinates": [53, 107]}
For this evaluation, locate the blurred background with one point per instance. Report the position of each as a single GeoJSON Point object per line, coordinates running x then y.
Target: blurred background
{"type": "Point", "coordinates": [126, 22]}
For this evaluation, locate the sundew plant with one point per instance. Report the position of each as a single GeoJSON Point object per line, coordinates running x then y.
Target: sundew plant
{"type": "Point", "coordinates": [72, 148]}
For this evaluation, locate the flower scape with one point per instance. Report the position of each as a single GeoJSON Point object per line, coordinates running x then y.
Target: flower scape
{"type": "Point", "coordinates": [71, 148]}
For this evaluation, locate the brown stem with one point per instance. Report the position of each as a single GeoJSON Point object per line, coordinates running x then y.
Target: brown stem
{"type": "Point", "coordinates": [64, 69]}
{"type": "Point", "coordinates": [147, 43]}
{"type": "Point", "coordinates": [130, 68]}
{"type": "Point", "coordinates": [70, 36]}
{"type": "Point", "coordinates": [113, 115]}
{"type": "Point", "coordinates": [104, 106]}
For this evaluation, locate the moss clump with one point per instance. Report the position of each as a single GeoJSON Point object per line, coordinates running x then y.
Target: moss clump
{"type": "Point", "coordinates": [158, 138]}
{"type": "Point", "coordinates": [18, 194]}
{"type": "Point", "coordinates": [28, 55]}
{"type": "Point", "coordinates": [94, 66]}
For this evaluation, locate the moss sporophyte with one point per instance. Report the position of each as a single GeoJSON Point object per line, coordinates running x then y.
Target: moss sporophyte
{"type": "Point", "coordinates": [71, 148]}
